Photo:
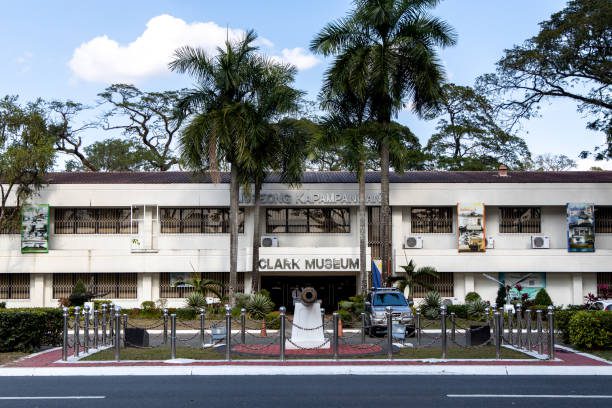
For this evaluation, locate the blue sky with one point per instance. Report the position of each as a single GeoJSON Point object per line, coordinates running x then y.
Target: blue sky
{"type": "Point", "coordinates": [74, 49]}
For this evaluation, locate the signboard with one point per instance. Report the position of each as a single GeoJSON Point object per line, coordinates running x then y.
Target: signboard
{"type": "Point", "coordinates": [580, 227]}
{"type": "Point", "coordinates": [531, 285]}
{"type": "Point", "coordinates": [471, 227]}
{"type": "Point", "coordinates": [309, 264]}
{"type": "Point", "coordinates": [315, 198]}
{"type": "Point", "coordinates": [35, 228]}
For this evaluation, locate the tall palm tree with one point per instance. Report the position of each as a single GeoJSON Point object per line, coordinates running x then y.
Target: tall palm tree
{"type": "Point", "coordinates": [232, 105]}
{"type": "Point", "coordinates": [388, 47]}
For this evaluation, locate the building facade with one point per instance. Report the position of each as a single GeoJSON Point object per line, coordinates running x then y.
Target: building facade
{"type": "Point", "coordinates": [133, 237]}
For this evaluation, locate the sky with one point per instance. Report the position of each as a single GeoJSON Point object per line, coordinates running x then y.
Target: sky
{"type": "Point", "coordinates": [69, 49]}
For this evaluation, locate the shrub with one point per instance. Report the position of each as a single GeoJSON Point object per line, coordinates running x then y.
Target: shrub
{"type": "Point", "coordinates": [195, 301]}
{"type": "Point", "coordinates": [2, 305]}
{"type": "Point", "coordinates": [242, 299]}
{"type": "Point", "coordinates": [26, 330]}
{"type": "Point", "coordinates": [346, 317]}
{"type": "Point", "coordinates": [460, 311]}
{"type": "Point", "coordinates": [562, 319]}
{"type": "Point", "coordinates": [430, 306]}
{"type": "Point", "coordinates": [350, 310]}
{"type": "Point", "coordinates": [273, 320]}
{"type": "Point", "coordinates": [591, 329]}
{"type": "Point", "coordinates": [500, 300]}
{"type": "Point", "coordinates": [258, 306]}
{"type": "Point", "coordinates": [472, 297]}
{"type": "Point", "coordinates": [98, 304]}
{"type": "Point", "coordinates": [186, 313]}
{"type": "Point", "coordinates": [476, 309]}
{"type": "Point", "coordinates": [147, 305]}
{"type": "Point", "coordinates": [542, 298]}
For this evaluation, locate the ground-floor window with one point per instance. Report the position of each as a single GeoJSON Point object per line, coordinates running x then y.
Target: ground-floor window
{"type": "Point", "coordinates": [104, 285]}
{"type": "Point", "coordinates": [171, 284]}
{"type": "Point", "coordinates": [14, 286]}
{"type": "Point", "coordinates": [604, 283]}
{"type": "Point", "coordinates": [444, 285]}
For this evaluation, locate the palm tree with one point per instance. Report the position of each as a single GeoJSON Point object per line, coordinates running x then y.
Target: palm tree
{"type": "Point", "coordinates": [414, 276]}
{"type": "Point", "coordinates": [387, 48]}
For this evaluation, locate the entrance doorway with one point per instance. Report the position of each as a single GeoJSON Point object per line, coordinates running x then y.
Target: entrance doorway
{"type": "Point", "coordinates": [330, 289]}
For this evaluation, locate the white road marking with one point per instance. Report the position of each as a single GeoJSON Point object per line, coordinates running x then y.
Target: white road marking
{"type": "Point", "coordinates": [572, 396]}
{"type": "Point", "coordinates": [61, 397]}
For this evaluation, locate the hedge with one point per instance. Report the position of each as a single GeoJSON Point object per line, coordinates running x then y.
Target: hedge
{"type": "Point", "coordinates": [591, 329]}
{"type": "Point", "coordinates": [26, 330]}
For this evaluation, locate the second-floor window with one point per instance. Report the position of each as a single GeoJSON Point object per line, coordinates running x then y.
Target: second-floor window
{"type": "Point", "coordinates": [603, 219]}
{"type": "Point", "coordinates": [520, 220]}
{"type": "Point", "coordinates": [308, 220]}
{"type": "Point", "coordinates": [94, 221]}
{"type": "Point", "coordinates": [198, 220]}
{"type": "Point", "coordinates": [431, 220]}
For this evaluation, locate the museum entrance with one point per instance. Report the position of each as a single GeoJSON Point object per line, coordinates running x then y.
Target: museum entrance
{"type": "Point", "coordinates": [330, 289]}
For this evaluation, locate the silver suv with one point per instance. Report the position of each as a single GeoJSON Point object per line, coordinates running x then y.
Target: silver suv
{"type": "Point", "coordinates": [377, 301]}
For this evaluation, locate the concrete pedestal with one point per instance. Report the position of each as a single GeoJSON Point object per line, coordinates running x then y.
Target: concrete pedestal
{"type": "Point", "coordinates": [307, 317]}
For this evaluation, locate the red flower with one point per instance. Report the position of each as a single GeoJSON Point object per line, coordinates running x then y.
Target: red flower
{"type": "Point", "coordinates": [518, 287]}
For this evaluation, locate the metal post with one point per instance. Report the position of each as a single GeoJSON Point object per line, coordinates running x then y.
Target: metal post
{"type": "Point", "coordinates": [165, 336]}
{"type": "Point", "coordinates": [77, 331]}
{"type": "Point", "coordinates": [389, 313]}
{"type": "Point", "coordinates": [86, 329]}
{"type": "Point", "coordinates": [519, 326]}
{"type": "Point", "coordinates": [65, 336]}
{"type": "Point", "coordinates": [117, 332]}
{"type": "Point", "coordinates": [363, 322]}
{"type": "Point", "coordinates": [551, 333]}
{"type": "Point", "coordinates": [282, 332]}
{"type": "Point", "coordinates": [501, 324]}
{"type": "Point", "coordinates": [528, 328]}
{"type": "Point", "coordinates": [539, 329]}
{"type": "Point", "coordinates": [511, 326]}
{"type": "Point", "coordinates": [418, 327]}
{"type": "Point", "coordinates": [104, 340]}
{"type": "Point", "coordinates": [96, 323]}
{"type": "Point", "coordinates": [228, 333]}
{"type": "Point", "coordinates": [202, 326]}
{"type": "Point", "coordinates": [243, 325]}
{"type": "Point", "coordinates": [111, 324]}
{"type": "Point", "coordinates": [323, 320]}
{"type": "Point", "coordinates": [335, 337]}
{"type": "Point", "coordinates": [125, 322]}
{"type": "Point", "coordinates": [443, 330]}
{"type": "Point", "coordinates": [453, 326]}
{"type": "Point", "coordinates": [497, 317]}
{"type": "Point", "coordinates": [173, 336]}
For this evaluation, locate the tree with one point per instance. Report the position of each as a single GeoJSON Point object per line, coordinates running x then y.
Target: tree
{"type": "Point", "coordinates": [112, 155]}
{"type": "Point", "coordinates": [229, 124]}
{"type": "Point", "coordinates": [551, 162]}
{"type": "Point", "coordinates": [570, 59]}
{"type": "Point", "coordinates": [470, 136]}
{"type": "Point", "coordinates": [26, 154]}
{"type": "Point", "coordinates": [414, 277]}
{"type": "Point", "coordinates": [385, 49]}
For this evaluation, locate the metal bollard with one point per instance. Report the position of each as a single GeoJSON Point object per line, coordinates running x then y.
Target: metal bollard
{"type": "Point", "coordinates": [511, 327]}
{"type": "Point", "coordinates": [323, 319]}
{"type": "Point", "coordinates": [125, 323]}
{"type": "Point", "coordinates": [86, 329]}
{"type": "Point", "coordinates": [539, 330]}
{"type": "Point", "coordinates": [363, 329]}
{"type": "Point", "coordinates": [96, 323]}
{"type": "Point", "coordinates": [243, 325]}
{"type": "Point", "coordinates": [519, 326]}
{"type": "Point", "coordinates": [173, 336]}
{"type": "Point", "coordinates": [104, 339]}
{"type": "Point", "coordinates": [551, 333]}
{"type": "Point", "coordinates": [501, 323]}
{"type": "Point", "coordinates": [165, 336]}
{"type": "Point", "coordinates": [528, 328]}
{"type": "Point", "coordinates": [111, 324]}
{"type": "Point", "coordinates": [443, 330]}
{"type": "Point", "coordinates": [453, 326]}
{"type": "Point", "coordinates": [117, 332]}
{"type": "Point", "coordinates": [389, 312]}
{"type": "Point", "coordinates": [282, 332]}
{"type": "Point", "coordinates": [335, 336]}
{"type": "Point", "coordinates": [202, 326]}
{"type": "Point", "coordinates": [228, 333]}
{"type": "Point", "coordinates": [497, 317]}
{"type": "Point", "coordinates": [418, 327]}
{"type": "Point", "coordinates": [65, 336]}
{"type": "Point", "coordinates": [77, 331]}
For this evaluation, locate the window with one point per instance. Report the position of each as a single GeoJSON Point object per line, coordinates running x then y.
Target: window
{"type": "Point", "coordinates": [94, 221]}
{"type": "Point", "coordinates": [375, 241]}
{"type": "Point", "coordinates": [603, 219]}
{"type": "Point", "coordinates": [198, 220]}
{"type": "Point", "coordinates": [14, 286]}
{"type": "Point", "coordinates": [10, 221]}
{"type": "Point", "coordinates": [308, 220]}
{"type": "Point", "coordinates": [431, 220]}
{"type": "Point", "coordinates": [167, 290]}
{"type": "Point", "coordinates": [444, 285]}
{"type": "Point", "coordinates": [519, 220]}
{"type": "Point", "coordinates": [604, 284]}
{"type": "Point", "coordinates": [104, 285]}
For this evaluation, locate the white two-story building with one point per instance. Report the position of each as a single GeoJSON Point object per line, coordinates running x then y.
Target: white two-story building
{"type": "Point", "coordinates": [132, 237]}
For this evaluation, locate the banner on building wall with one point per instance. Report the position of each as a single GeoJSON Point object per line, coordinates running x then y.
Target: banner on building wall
{"type": "Point", "coordinates": [471, 227]}
{"type": "Point", "coordinates": [35, 228]}
{"type": "Point", "coordinates": [580, 227]}
{"type": "Point", "coordinates": [531, 286]}
{"type": "Point", "coordinates": [180, 279]}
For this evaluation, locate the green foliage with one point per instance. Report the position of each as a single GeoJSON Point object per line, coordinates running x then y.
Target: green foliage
{"type": "Point", "coordinates": [195, 301]}
{"type": "Point", "coordinates": [500, 300]}
{"type": "Point", "coordinates": [591, 329]}
{"type": "Point", "coordinates": [186, 313]}
{"type": "Point", "coordinates": [413, 276]}
{"type": "Point", "coordinates": [79, 294]}
{"type": "Point", "coordinates": [2, 305]}
{"type": "Point", "coordinates": [350, 310]}
{"type": "Point", "coordinates": [147, 305]}
{"type": "Point", "coordinates": [346, 317]}
{"type": "Point", "coordinates": [98, 304]}
{"type": "Point", "coordinates": [430, 306]}
{"type": "Point", "coordinates": [459, 310]}
{"type": "Point", "coordinates": [112, 155]}
{"type": "Point", "coordinates": [471, 297]}
{"type": "Point", "coordinates": [562, 319]}
{"type": "Point", "coordinates": [542, 298]}
{"type": "Point", "coordinates": [27, 330]}
{"type": "Point", "coordinates": [273, 320]}
{"type": "Point", "coordinates": [259, 306]}
{"type": "Point", "coordinates": [242, 299]}
{"type": "Point", "coordinates": [476, 309]}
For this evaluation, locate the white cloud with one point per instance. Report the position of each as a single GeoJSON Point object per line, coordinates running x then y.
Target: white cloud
{"type": "Point", "coordinates": [586, 164]}
{"type": "Point", "coordinates": [103, 59]}
{"type": "Point", "coordinates": [24, 61]}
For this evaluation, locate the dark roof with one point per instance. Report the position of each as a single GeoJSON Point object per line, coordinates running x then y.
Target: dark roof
{"type": "Point", "coordinates": [173, 177]}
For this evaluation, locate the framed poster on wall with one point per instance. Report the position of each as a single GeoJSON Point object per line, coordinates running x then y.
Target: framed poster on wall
{"type": "Point", "coordinates": [35, 228]}
{"type": "Point", "coordinates": [471, 227]}
{"type": "Point", "coordinates": [531, 285]}
{"type": "Point", "coordinates": [580, 227]}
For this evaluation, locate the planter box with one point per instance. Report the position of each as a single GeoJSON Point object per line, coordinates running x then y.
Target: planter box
{"type": "Point", "coordinates": [136, 337]}
{"type": "Point", "coordinates": [477, 335]}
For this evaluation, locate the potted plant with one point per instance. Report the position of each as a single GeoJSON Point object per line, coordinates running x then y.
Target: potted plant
{"type": "Point", "coordinates": [478, 333]}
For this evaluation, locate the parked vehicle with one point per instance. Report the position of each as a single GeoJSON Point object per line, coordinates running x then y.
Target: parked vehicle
{"type": "Point", "coordinates": [603, 305]}
{"type": "Point", "coordinates": [375, 309]}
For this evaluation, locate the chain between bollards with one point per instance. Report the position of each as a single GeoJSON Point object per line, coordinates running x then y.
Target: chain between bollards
{"type": "Point", "coordinates": [172, 336]}
{"type": "Point", "coordinates": [65, 336]}
{"type": "Point", "coordinates": [497, 317]}
{"type": "Point", "coordinates": [228, 333]}
{"type": "Point", "coordinates": [117, 324]}
{"type": "Point", "coordinates": [86, 329]}
{"type": "Point", "coordinates": [443, 330]}
{"type": "Point", "coordinates": [335, 342]}
{"type": "Point", "coordinates": [165, 317]}
{"type": "Point", "coordinates": [202, 327]}
{"type": "Point", "coordinates": [283, 311]}
{"type": "Point", "coordinates": [363, 328]}
{"type": "Point", "coordinates": [551, 333]}
{"type": "Point", "coordinates": [77, 331]}
{"type": "Point", "coordinates": [243, 325]}
{"type": "Point", "coordinates": [389, 313]}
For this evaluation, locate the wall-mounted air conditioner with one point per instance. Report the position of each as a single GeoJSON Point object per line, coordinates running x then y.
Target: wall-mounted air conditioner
{"type": "Point", "coordinates": [540, 242]}
{"type": "Point", "coordinates": [490, 243]}
{"type": "Point", "coordinates": [269, 241]}
{"type": "Point", "coordinates": [413, 242]}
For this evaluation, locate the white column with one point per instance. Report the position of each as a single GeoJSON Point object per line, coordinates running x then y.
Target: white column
{"type": "Point", "coordinates": [145, 287]}
{"type": "Point", "coordinates": [577, 288]}
{"type": "Point", "coordinates": [468, 282]}
{"type": "Point", "coordinates": [48, 291]}
{"type": "Point", "coordinates": [37, 290]}
{"type": "Point", "coordinates": [396, 235]}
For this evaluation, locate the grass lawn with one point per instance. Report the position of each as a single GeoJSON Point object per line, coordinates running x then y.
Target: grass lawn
{"type": "Point", "coordinates": [163, 353]}
{"type": "Point", "coordinates": [8, 357]}
{"type": "Point", "coordinates": [607, 354]}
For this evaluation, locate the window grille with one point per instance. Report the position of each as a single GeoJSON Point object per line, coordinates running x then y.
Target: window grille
{"type": "Point", "coordinates": [14, 286]}
{"type": "Point", "coordinates": [308, 220]}
{"type": "Point", "coordinates": [94, 221]}
{"type": "Point", "coordinates": [516, 220]}
{"type": "Point", "coordinates": [10, 223]}
{"type": "Point", "coordinates": [444, 285]}
{"type": "Point", "coordinates": [166, 290]}
{"type": "Point", "coordinates": [105, 285]}
{"type": "Point", "coordinates": [603, 220]}
{"type": "Point", "coordinates": [431, 220]}
{"type": "Point", "coordinates": [375, 232]}
{"type": "Point", "coordinates": [198, 220]}
{"type": "Point", "coordinates": [604, 283]}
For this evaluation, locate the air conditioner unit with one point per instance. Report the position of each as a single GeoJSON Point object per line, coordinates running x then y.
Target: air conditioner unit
{"type": "Point", "coordinates": [269, 241]}
{"type": "Point", "coordinates": [490, 243]}
{"type": "Point", "coordinates": [413, 242]}
{"type": "Point", "coordinates": [540, 242]}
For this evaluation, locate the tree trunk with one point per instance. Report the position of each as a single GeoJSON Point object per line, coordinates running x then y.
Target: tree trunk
{"type": "Point", "coordinates": [234, 191]}
{"type": "Point", "coordinates": [256, 239]}
{"type": "Point", "coordinates": [385, 209]}
{"type": "Point", "coordinates": [362, 230]}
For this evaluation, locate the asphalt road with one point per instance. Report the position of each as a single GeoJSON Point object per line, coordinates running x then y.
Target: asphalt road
{"type": "Point", "coordinates": [306, 391]}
